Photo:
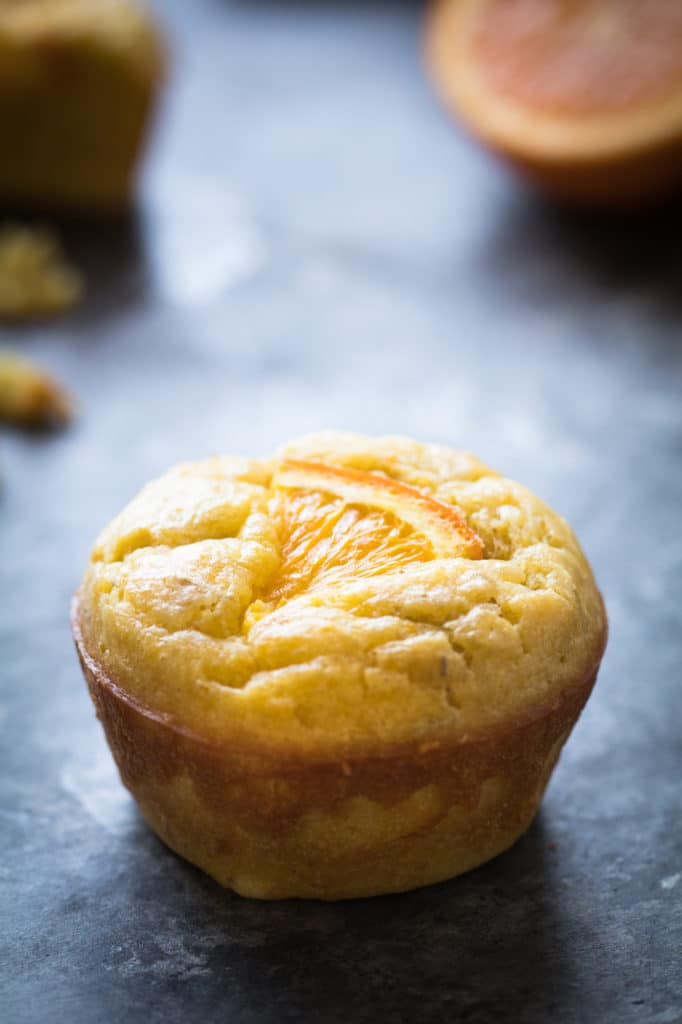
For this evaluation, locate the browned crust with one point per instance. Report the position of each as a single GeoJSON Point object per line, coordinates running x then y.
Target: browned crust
{"type": "Point", "coordinates": [642, 175]}
{"type": "Point", "coordinates": [240, 811]}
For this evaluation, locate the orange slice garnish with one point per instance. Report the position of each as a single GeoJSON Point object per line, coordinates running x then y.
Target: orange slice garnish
{"type": "Point", "coordinates": [338, 524]}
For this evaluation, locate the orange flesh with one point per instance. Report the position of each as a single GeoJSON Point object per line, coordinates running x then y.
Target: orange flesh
{"type": "Point", "coordinates": [341, 524]}
{"type": "Point", "coordinates": [580, 57]}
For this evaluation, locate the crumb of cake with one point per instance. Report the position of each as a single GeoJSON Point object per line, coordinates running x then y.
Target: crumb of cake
{"type": "Point", "coordinates": [35, 279]}
{"type": "Point", "coordinates": [29, 396]}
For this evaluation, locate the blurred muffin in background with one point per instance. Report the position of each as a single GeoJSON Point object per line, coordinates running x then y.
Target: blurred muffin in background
{"type": "Point", "coordinates": [584, 96]}
{"type": "Point", "coordinates": [78, 83]}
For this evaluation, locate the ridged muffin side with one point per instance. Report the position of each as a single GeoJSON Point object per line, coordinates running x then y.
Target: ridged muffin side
{"type": "Point", "coordinates": [275, 826]}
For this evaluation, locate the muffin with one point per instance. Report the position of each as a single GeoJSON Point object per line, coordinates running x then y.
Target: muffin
{"type": "Point", "coordinates": [342, 671]}
{"type": "Point", "coordinates": [78, 80]}
{"type": "Point", "coordinates": [584, 97]}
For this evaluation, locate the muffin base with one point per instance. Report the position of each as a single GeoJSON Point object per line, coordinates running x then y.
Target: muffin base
{"type": "Point", "coordinates": [274, 823]}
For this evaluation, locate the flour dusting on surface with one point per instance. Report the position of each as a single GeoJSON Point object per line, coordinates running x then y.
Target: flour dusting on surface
{"type": "Point", "coordinates": [96, 786]}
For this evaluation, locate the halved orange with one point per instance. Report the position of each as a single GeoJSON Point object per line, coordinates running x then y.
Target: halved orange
{"type": "Point", "coordinates": [584, 95]}
{"type": "Point", "coordinates": [338, 524]}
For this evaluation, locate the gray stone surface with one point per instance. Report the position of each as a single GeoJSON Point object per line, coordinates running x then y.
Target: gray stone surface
{"type": "Point", "coordinates": [317, 246]}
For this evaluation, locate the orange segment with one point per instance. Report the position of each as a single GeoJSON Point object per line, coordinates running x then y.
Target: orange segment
{"type": "Point", "coordinates": [337, 524]}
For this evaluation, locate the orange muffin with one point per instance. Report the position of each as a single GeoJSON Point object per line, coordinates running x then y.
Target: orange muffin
{"type": "Point", "coordinates": [585, 96]}
{"type": "Point", "coordinates": [78, 82]}
{"type": "Point", "coordinates": [345, 670]}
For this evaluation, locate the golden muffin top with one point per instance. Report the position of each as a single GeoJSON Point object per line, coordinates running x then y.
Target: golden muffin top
{"type": "Point", "coordinates": [349, 592]}
{"type": "Point", "coordinates": [34, 35]}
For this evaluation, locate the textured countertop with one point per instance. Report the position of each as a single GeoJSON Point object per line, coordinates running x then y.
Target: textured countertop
{"type": "Point", "coordinates": [317, 246]}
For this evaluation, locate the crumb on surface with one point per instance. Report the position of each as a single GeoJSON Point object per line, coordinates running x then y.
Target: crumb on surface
{"type": "Point", "coordinates": [35, 279]}
{"type": "Point", "coordinates": [29, 396]}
